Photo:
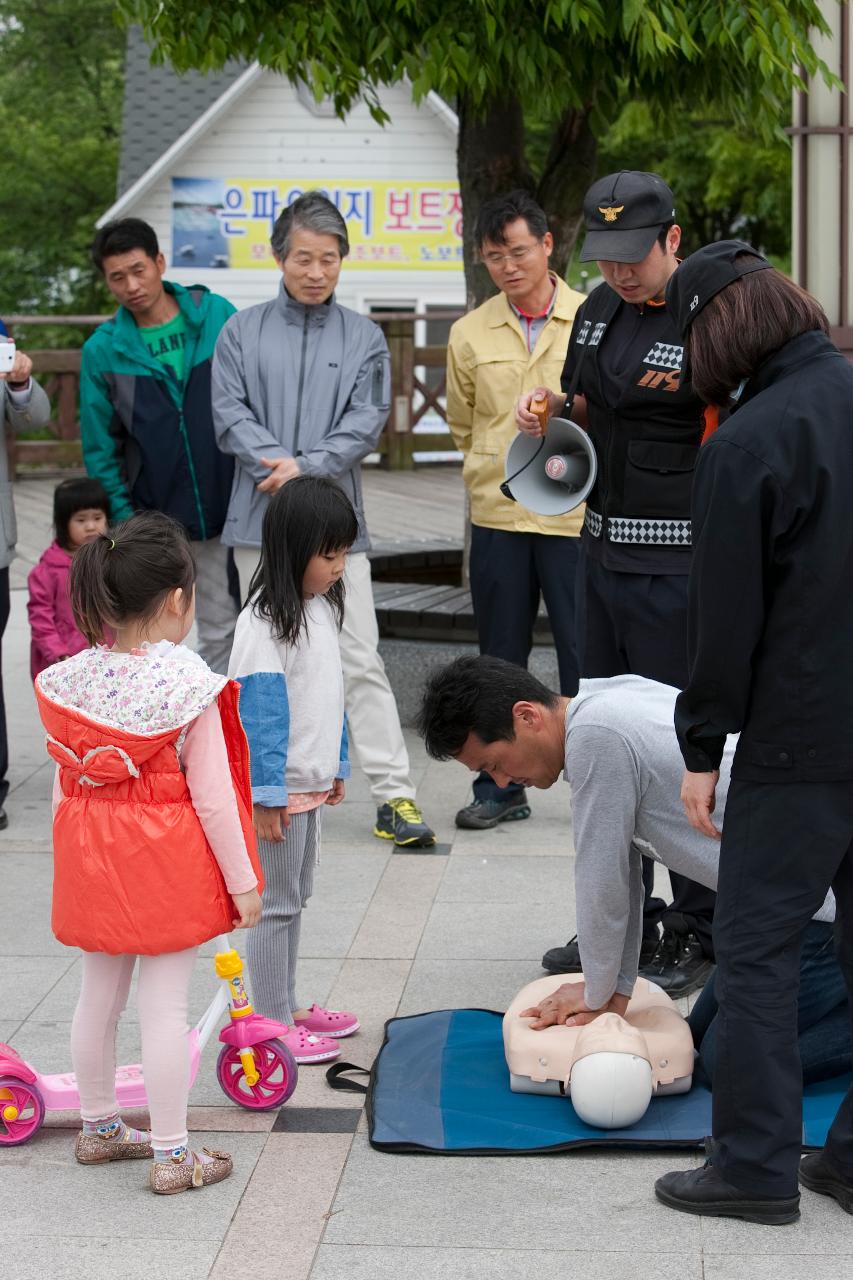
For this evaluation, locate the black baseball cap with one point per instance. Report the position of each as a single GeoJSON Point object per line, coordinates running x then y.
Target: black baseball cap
{"type": "Point", "coordinates": [623, 214]}
{"type": "Point", "coordinates": [701, 276]}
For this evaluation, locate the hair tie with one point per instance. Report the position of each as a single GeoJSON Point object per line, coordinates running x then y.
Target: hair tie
{"type": "Point", "coordinates": [112, 546]}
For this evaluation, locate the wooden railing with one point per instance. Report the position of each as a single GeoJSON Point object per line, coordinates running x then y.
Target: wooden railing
{"type": "Point", "coordinates": [413, 395]}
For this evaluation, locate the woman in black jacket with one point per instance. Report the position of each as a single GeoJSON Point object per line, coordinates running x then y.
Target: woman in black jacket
{"type": "Point", "coordinates": [771, 657]}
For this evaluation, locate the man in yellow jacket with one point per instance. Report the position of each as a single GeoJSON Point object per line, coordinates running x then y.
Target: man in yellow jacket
{"type": "Point", "coordinates": [507, 346]}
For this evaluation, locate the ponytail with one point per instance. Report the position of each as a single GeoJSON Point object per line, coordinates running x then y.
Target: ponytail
{"type": "Point", "coordinates": [125, 575]}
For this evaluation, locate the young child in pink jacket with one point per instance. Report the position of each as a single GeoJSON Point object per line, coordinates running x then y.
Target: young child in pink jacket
{"type": "Point", "coordinates": [81, 511]}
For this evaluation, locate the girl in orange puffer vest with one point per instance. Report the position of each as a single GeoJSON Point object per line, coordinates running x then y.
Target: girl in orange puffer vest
{"type": "Point", "coordinates": [154, 851]}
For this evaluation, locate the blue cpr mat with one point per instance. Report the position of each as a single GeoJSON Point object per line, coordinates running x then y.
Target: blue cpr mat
{"type": "Point", "coordinates": [440, 1084]}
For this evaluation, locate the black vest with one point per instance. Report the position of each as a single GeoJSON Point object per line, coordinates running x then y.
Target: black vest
{"type": "Point", "coordinates": [647, 443]}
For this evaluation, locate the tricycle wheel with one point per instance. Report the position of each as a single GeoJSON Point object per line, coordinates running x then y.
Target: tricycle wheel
{"type": "Point", "coordinates": [276, 1068]}
{"type": "Point", "coordinates": [21, 1111]}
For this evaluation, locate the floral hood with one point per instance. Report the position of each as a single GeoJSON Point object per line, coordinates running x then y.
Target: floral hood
{"type": "Point", "coordinates": [149, 691]}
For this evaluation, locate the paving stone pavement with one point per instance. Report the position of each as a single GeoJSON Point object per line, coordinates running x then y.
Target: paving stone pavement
{"type": "Point", "coordinates": [384, 934]}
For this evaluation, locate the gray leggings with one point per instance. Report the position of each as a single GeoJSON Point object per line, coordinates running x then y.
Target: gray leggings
{"type": "Point", "coordinates": [272, 946]}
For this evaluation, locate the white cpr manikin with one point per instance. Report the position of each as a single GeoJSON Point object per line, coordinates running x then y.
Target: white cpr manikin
{"type": "Point", "coordinates": [612, 1066]}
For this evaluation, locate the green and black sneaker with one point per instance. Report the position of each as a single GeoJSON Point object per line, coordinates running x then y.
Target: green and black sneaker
{"type": "Point", "coordinates": [401, 820]}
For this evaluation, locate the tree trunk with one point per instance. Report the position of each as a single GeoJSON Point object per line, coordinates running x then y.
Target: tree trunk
{"type": "Point", "coordinates": [491, 161]}
{"type": "Point", "coordinates": [569, 170]}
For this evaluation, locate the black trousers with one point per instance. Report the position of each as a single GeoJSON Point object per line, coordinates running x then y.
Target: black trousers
{"type": "Point", "coordinates": [784, 845]}
{"type": "Point", "coordinates": [509, 572]}
{"type": "Point", "coordinates": [636, 624]}
{"type": "Point", "coordinates": [4, 741]}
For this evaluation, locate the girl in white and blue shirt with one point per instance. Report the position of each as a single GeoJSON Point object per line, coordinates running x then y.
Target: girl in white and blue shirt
{"type": "Point", "coordinates": [287, 659]}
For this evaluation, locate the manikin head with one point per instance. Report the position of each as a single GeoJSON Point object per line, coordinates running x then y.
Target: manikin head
{"type": "Point", "coordinates": [611, 1078]}
{"type": "Point", "coordinates": [495, 718]}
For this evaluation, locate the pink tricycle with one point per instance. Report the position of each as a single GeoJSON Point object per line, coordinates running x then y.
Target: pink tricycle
{"type": "Point", "coordinates": [254, 1067]}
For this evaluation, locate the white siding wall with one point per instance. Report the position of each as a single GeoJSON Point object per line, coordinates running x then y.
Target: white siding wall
{"type": "Point", "coordinates": [268, 133]}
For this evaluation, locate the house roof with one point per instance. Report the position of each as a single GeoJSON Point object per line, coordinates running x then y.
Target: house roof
{"type": "Point", "coordinates": [165, 113]}
{"type": "Point", "coordinates": [160, 105]}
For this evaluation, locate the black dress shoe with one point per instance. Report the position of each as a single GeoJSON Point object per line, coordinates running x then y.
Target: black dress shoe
{"type": "Point", "coordinates": [705, 1192]}
{"type": "Point", "coordinates": [4, 820]}
{"type": "Point", "coordinates": [818, 1173]}
{"type": "Point", "coordinates": [567, 959]}
{"type": "Point", "coordinates": [678, 965]}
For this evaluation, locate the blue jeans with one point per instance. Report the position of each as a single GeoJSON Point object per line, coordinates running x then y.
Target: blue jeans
{"type": "Point", "coordinates": [823, 1021]}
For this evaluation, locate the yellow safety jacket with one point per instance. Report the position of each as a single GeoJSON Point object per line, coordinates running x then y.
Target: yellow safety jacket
{"type": "Point", "coordinates": [488, 368]}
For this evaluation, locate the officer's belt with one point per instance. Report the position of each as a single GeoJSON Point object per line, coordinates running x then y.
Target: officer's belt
{"type": "Point", "coordinates": [640, 530]}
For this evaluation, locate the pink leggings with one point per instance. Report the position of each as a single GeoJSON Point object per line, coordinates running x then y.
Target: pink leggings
{"type": "Point", "coordinates": [162, 997]}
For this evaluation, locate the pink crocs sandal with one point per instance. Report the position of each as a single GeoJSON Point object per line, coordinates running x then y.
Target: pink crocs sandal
{"type": "Point", "coordinates": [307, 1048]}
{"type": "Point", "coordinates": [329, 1022]}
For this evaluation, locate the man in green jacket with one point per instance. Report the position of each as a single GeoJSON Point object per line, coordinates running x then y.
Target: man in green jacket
{"type": "Point", "coordinates": [145, 415]}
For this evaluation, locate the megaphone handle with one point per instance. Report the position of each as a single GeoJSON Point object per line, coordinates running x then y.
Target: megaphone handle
{"type": "Point", "coordinates": [542, 409]}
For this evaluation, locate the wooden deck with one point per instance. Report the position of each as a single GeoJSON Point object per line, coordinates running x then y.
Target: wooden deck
{"type": "Point", "coordinates": [424, 508]}
{"type": "Point", "coordinates": [425, 505]}
{"type": "Point", "coordinates": [424, 611]}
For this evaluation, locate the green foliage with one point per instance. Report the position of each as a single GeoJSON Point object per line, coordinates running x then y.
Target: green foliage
{"type": "Point", "coordinates": [741, 54]}
{"type": "Point", "coordinates": [571, 65]}
{"type": "Point", "coordinates": [61, 74]}
{"type": "Point", "coordinates": [728, 183]}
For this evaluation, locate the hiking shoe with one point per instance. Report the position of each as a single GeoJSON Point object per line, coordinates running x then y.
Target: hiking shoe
{"type": "Point", "coordinates": [678, 965]}
{"type": "Point", "coordinates": [401, 820]}
{"type": "Point", "coordinates": [567, 959]}
{"type": "Point", "coordinates": [818, 1173]}
{"type": "Point", "coordinates": [479, 815]}
{"type": "Point", "coordinates": [706, 1192]}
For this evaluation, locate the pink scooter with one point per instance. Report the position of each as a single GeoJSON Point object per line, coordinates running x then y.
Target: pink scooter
{"type": "Point", "coordinates": [255, 1069]}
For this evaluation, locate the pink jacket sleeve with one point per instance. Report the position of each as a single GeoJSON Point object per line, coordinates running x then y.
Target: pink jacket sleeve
{"type": "Point", "coordinates": [205, 762]}
{"type": "Point", "coordinates": [41, 608]}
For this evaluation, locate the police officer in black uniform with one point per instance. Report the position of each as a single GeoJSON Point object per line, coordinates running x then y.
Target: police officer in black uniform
{"type": "Point", "coordinates": [622, 382]}
{"type": "Point", "coordinates": [771, 657]}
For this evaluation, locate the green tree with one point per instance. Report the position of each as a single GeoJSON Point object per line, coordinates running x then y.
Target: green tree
{"type": "Point", "coordinates": [61, 75]}
{"type": "Point", "coordinates": [569, 61]}
{"type": "Point", "coordinates": [729, 183]}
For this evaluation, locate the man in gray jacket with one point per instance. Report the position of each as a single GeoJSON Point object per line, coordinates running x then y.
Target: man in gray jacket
{"type": "Point", "coordinates": [23, 406]}
{"type": "Point", "coordinates": [301, 386]}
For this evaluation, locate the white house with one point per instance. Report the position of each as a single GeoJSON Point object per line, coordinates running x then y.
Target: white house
{"type": "Point", "coordinates": [210, 160]}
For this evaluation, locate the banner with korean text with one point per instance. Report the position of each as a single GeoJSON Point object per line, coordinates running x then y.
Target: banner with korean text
{"type": "Point", "coordinates": [400, 225]}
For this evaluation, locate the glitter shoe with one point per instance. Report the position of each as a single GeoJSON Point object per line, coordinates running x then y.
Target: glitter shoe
{"type": "Point", "coordinates": [91, 1149]}
{"type": "Point", "coordinates": [169, 1179]}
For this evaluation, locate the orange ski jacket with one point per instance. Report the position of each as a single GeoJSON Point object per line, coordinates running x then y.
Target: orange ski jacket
{"type": "Point", "coordinates": [133, 871]}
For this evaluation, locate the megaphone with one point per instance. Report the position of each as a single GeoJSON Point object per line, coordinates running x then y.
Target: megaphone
{"type": "Point", "coordinates": [554, 474]}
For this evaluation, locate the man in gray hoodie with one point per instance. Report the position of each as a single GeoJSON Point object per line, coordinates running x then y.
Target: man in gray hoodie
{"type": "Point", "coordinates": [615, 745]}
{"type": "Point", "coordinates": [301, 386]}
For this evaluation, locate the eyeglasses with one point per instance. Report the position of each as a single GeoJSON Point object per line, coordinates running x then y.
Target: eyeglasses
{"type": "Point", "coordinates": [514, 255]}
